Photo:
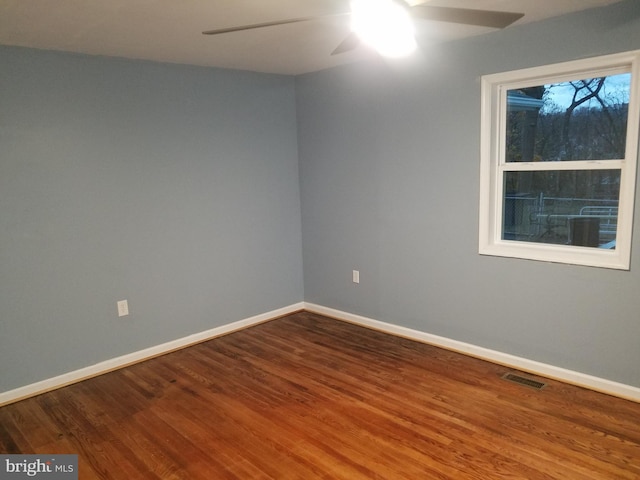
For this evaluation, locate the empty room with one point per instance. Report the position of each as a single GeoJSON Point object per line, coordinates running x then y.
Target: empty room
{"type": "Point", "coordinates": [253, 239]}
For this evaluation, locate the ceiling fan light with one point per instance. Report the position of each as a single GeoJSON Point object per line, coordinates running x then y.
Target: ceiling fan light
{"type": "Point", "coordinates": [383, 25]}
{"type": "Point", "coordinates": [397, 46]}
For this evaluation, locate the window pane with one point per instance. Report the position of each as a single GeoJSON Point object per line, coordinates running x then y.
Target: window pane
{"type": "Point", "coordinates": [577, 120]}
{"type": "Point", "coordinates": [569, 207]}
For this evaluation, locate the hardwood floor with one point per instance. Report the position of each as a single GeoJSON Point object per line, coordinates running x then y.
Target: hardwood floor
{"type": "Point", "coordinates": [305, 397]}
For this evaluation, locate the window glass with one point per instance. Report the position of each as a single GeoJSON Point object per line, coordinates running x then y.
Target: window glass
{"type": "Point", "coordinates": [574, 120]}
{"type": "Point", "coordinates": [567, 207]}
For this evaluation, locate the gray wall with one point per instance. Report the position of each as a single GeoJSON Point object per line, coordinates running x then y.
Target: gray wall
{"type": "Point", "coordinates": [173, 187]}
{"type": "Point", "coordinates": [389, 165]}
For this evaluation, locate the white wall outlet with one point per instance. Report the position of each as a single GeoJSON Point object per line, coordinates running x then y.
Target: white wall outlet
{"type": "Point", "coordinates": [356, 276]}
{"type": "Point", "coordinates": [123, 308]}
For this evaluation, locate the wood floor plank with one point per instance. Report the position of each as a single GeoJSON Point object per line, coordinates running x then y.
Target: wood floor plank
{"type": "Point", "coordinates": [308, 397]}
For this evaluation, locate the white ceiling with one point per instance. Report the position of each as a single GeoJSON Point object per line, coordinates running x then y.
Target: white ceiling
{"type": "Point", "coordinates": [171, 30]}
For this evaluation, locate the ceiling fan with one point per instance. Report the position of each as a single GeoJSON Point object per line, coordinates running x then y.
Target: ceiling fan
{"type": "Point", "coordinates": [466, 16]}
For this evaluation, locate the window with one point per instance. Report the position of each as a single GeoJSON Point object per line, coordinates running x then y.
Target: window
{"type": "Point", "coordinates": [559, 150]}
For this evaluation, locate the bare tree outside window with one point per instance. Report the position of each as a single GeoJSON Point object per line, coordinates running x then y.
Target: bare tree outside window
{"type": "Point", "coordinates": [577, 120]}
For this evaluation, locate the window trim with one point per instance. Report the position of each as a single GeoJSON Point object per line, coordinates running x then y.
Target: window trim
{"type": "Point", "coordinates": [493, 164]}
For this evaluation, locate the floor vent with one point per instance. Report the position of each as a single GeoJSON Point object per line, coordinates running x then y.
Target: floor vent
{"type": "Point", "coordinates": [527, 382]}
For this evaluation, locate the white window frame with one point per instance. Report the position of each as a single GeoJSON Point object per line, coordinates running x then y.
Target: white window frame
{"type": "Point", "coordinates": [493, 164]}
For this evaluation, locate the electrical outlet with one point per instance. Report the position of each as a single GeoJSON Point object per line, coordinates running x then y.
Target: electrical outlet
{"type": "Point", "coordinates": [123, 308]}
{"type": "Point", "coordinates": [356, 276]}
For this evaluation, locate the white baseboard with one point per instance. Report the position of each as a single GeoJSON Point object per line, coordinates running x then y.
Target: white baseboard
{"type": "Point", "coordinates": [139, 356]}
{"type": "Point", "coordinates": [576, 378]}
{"type": "Point", "coordinates": [568, 376]}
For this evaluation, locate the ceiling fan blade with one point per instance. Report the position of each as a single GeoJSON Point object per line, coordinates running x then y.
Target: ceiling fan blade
{"type": "Point", "coordinates": [269, 24]}
{"type": "Point", "coordinates": [466, 16]}
{"type": "Point", "coordinates": [256, 25]}
{"type": "Point", "coordinates": [351, 42]}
